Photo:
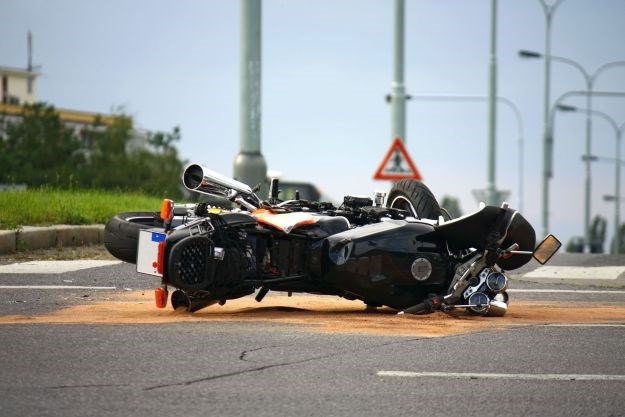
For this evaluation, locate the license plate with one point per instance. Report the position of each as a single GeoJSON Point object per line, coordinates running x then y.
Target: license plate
{"type": "Point", "coordinates": [147, 251]}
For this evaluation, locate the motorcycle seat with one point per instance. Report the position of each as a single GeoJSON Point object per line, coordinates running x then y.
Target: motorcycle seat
{"type": "Point", "coordinates": [475, 230]}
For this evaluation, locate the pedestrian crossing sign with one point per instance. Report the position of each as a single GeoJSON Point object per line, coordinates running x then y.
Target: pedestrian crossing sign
{"type": "Point", "coordinates": [397, 164]}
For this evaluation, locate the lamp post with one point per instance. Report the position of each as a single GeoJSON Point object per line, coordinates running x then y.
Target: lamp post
{"type": "Point", "coordinates": [549, 10]}
{"type": "Point", "coordinates": [589, 79]}
{"type": "Point", "coordinates": [499, 99]}
{"type": "Point", "coordinates": [397, 98]}
{"type": "Point", "coordinates": [587, 158]}
{"type": "Point", "coordinates": [249, 165]}
{"type": "Point", "coordinates": [491, 188]}
{"type": "Point", "coordinates": [548, 156]}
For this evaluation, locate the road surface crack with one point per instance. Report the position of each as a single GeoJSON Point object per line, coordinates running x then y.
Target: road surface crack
{"type": "Point", "coordinates": [276, 365]}
{"type": "Point", "coordinates": [87, 386]}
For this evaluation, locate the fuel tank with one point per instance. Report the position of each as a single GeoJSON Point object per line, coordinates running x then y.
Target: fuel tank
{"type": "Point", "coordinates": [395, 263]}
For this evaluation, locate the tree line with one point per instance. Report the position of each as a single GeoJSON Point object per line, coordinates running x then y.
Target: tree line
{"type": "Point", "coordinates": [40, 149]}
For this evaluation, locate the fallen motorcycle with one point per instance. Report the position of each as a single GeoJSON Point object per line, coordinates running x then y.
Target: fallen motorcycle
{"type": "Point", "coordinates": [401, 250]}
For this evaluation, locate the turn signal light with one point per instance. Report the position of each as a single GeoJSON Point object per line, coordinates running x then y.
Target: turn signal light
{"type": "Point", "coordinates": [160, 257]}
{"type": "Point", "coordinates": [160, 296]}
{"type": "Point", "coordinates": [167, 209]}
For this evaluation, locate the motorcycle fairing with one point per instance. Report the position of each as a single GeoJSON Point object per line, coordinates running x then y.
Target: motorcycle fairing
{"type": "Point", "coordinates": [373, 262]}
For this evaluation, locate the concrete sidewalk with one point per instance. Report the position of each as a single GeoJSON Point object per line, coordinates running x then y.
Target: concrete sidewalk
{"type": "Point", "coordinates": [30, 237]}
{"type": "Point", "coordinates": [583, 269]}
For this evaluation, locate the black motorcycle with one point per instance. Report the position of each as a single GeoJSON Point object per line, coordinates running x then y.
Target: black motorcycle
{"type": "Point", "coordinates": [401, 250]}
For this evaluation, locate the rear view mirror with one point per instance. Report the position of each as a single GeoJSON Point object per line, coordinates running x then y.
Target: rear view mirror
{"type": "Point", "coordinates": [546, 249]}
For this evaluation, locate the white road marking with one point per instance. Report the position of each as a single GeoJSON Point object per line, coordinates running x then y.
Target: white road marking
{"type": "Point", "coordinates": [52, 287]}
{"type": "Point", "coordinates": [583, 325]}
{"type": "Point", "coordinates": [547, 291]}
{"type": "Point", "coordinates": [576, 272]}
{"type": "Point", "coordinates": [53, 267]}
{"type": "Point", "coordinates": [526, 377]}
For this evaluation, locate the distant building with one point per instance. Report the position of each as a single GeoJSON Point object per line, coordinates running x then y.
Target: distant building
{"type": "Point", "coordinates": [81, 122]}
{"type": "Point", "coordinates": [18, 86]}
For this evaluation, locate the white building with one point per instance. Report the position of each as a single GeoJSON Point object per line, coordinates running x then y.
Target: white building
{"type": "Point", "coordinates": [18, 86]}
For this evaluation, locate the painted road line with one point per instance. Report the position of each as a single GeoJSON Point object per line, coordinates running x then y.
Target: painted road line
{"type": "Point", "coordinates": [53, 287]}
{"type": "Point", "coordinates": [583, 325]}
{"type": "Point", "coordinates": [576, 272]}
{"type": "Point", "coordinates": [54, 267]}
{"type": "Point", "coordinates": [523, 377]}
{"type": "Point", "coordinates": [547, 291]}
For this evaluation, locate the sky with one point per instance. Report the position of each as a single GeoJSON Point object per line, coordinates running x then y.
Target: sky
{"type": "Point", "coordinates": [326, 68]}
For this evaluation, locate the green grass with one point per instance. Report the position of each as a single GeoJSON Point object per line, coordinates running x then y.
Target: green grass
{"type": "Point", "coordinates": [45, 206]}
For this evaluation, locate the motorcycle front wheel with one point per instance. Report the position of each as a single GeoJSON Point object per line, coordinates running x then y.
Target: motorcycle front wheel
{"type": "Point", "coordinates": [416, 198]}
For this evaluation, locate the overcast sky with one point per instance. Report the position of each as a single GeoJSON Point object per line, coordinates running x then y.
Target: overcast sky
{"type": "Point", "coordinates": [326, 68]}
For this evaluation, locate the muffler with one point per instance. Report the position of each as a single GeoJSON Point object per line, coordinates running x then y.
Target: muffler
{"type": "Point", "coordinates": [203, 180]}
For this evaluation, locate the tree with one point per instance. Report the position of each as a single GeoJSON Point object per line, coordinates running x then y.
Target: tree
{"type": "Point", "coordinates": [113, 163]}
{"type": "Point", "coordinates": [452, 205]}
{"type": "Point", "coordinates": [621, 236]}
{"type": "Point", "coordinates": [597, 234]}
{"type": "Point", "coordinates": [39, 149]}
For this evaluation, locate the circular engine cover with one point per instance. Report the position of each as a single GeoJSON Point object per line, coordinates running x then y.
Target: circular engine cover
{"type": "Point", "coordinates": [421, 269]}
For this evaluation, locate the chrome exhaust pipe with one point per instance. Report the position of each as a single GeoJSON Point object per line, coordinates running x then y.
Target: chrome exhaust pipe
{"type": "Point", "coordinates": [203, 180]}
{"type": "Point", "coordinates": [498, 305]}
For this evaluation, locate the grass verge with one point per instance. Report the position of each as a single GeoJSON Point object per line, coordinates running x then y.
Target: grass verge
{"type": "Point", "coordinates": [45, 206]}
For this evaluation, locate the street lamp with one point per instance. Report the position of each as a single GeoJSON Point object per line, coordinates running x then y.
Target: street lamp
{"type": "Point", "coordinates": [548, 142]}
{"type": "Point", "coordinates": [590, 81]}
{"type": "Point", "coordinates": [549, 10]}
{"type": "Point", "coordinates": [611, 198]}
{"type": "Point", "coordinates": [595, 158]}
{"type": "Point", "coordinates": [476, 98]}
{"type": "Point", "coordinates": [618, 132]}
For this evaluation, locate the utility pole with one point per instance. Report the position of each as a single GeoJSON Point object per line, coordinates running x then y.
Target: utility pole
{"type": "Point", "coordinates": [398, 90]}
{"type": "Point", "coordinates": [491, 189]}
{"type": "Point", "coordinates": [249, 164]}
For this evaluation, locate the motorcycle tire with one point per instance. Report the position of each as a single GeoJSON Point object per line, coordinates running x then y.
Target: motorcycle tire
{"type": "Point", "coordinates": [415, 197]}
{"type": "Point", "coordinates": [121, 233]}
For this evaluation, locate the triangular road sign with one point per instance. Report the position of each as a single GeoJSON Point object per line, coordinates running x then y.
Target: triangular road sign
{"type": "Point", "coordinates": [397, 164]}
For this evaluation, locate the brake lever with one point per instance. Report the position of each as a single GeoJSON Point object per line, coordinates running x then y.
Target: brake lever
{"type": "Point", "coordinates": [512, 250]}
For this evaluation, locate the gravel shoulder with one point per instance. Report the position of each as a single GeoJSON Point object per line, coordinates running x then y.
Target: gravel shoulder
{"type": "Point", "coordinates": [57, 254]}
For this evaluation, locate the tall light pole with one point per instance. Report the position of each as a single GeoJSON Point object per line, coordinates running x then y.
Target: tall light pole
{"type": "Point", "coordinates": [249, 164]}
{"type": "Point", "coordinates": [618, 133]}
{"type": "Point", "coordinates": [549, 135]}
{"type": "Point", "coordinates": [549, 10]}
{"type": "Point", "coordinates": [491, 188]}
{"type": "Point", "coordinates": [398, 90]}
{"type": "Point", "coordinates": [589, 79]}
{"type": "Point", "coordinates": [501, 100]}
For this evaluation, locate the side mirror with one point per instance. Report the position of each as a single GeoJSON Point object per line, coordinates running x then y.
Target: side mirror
{"type": "Point", "coordinates": [546, 249]}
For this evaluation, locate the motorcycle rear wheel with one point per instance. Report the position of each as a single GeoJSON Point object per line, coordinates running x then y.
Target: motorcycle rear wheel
{"type": "Point", "coordinates": [414, 197]}
{"type": "Point", "coordinates": [121, 233]}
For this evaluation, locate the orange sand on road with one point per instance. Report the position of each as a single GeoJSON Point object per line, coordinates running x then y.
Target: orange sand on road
{"type": "Point", "coordinates": [325, 314]}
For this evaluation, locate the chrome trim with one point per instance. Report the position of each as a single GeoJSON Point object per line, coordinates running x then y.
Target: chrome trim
{"type": "Point", "coordinates": [198, 178]}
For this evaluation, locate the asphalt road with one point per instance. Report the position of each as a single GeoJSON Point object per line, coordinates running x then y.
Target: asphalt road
{"type": "Point", "coordinates": [260, 369]}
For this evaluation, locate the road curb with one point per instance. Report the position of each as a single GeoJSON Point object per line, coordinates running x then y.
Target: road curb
{"type": "Point", "coordinates": [31, 237]}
